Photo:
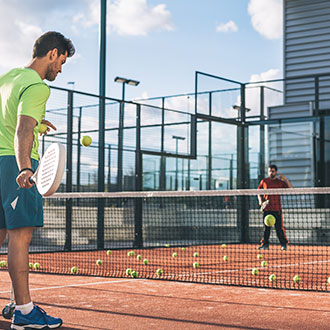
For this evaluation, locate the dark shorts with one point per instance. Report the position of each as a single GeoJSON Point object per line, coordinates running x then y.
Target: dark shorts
{"type": "Point", "coordinates": [19, 207]}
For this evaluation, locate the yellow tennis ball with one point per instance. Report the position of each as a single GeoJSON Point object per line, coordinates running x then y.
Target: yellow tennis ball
{"type": "Point", "coordinates": [183, 249]}
{"type": "Point", "coordinates": [3, 263]}
{"type": "Point", "coordinates": [174, 255]}
{"type": "Point", "coordinates": [272, 278]}
{"type": "Point", "coordinates": [269, 220]}
{"type": "Point", "coordinates": [296, 279]}
{"type": "Point", "coordinates": [30, 265]}
{"type": "Point", "coordinates": [255, 271]}
{"type": "Point", "coordinates": [223, 246]}
{"type": "Point", "coordinates": [196, 254]}
{"type": "Point", "coordinates": [134, 274]}
{"type": "Point", "coordinates": [99, 262]}
{"type": "Point", "coordinates": [108, 252]}
{"type": "Point", "coordinates": [159, 272]}
{"type": "Point", "coordinates": [74, 270]}
{"type": "Point", "coordinates": [128, 271]}
{"type": "Point", "coordinates": [36, 265]}
{"type": "Point", "coordinates": [225, 258]}
{"type": "Point", "coordinates": [260, 256]}
{"type": "Point", "coordinates": [86, 140]}
{"type": "Point", "coordinates": [264, 264]}
{"type": "Point", "coordinates": [42, 128]}
{"type": "Point", "coordinates": [145, 261]}
{"type": "Point", "coordinates": [139, 257]}
{"type": "Point", "coordinates": [195, 264]}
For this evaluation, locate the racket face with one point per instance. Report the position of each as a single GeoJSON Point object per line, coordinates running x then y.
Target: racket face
{"type": "Point", "coordinates": [51, 169]}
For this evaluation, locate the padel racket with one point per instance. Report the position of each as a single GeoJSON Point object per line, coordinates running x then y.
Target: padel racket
{"type": "Point", "coordinates": [263, 205]}
{"type": "Point", "coordinates": [49, 173]}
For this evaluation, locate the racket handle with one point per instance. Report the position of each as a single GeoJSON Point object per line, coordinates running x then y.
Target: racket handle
{"type": "Point", "coordinates": [32, 179]}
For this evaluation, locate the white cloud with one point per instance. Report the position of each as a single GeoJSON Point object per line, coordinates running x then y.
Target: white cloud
{"type": "Point", "coordinates": [227, 27]}
{"type": "Point", "coordinates": [129, 17]}
{"type": "Point", "coordinates": [266, 17]}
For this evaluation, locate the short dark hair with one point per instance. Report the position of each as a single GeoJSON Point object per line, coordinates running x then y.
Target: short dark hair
{"type": "Point", "coordinates": [273, 167]}
{"type": "Point", "coordinates": [51, 40]}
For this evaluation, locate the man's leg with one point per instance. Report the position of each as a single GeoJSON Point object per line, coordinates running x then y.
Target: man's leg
{"type": "Point", "coordinates": [18, 262]}
{"type": "Point", "coordinates": [280, 230]}
{"type": "Point", "coordinates": [3, 234]}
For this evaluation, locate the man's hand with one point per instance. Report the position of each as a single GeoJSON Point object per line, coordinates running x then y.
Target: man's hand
{"type": "Point", "coordinates": [263, 205]}
{"type": "Point", "coordinates": [23, 179]}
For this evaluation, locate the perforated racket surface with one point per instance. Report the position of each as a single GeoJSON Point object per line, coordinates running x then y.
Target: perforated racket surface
{"type": "Point", "coordinates": [50, 171]}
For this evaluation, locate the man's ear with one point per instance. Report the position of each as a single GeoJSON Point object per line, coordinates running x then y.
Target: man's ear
{"type": "Point", "coordinates": [53, 54]}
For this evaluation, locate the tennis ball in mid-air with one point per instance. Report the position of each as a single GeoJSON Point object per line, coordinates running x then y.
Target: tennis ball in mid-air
{"type": "Point", "coordinates": [159, 272]}
{"type": "Point", "coordinates": [223, 246]}
{"type": "Point", "coordinates": [296, 279]}
{"type": "Point", "coordinates": [183, 249]}
{"type": "Point", "coordinates": [86, 140]}
{"type": "Point", "coordinates": [128, 271]}
{"type": "Point", "coordinates": [108, 252]}
{"type": "Point", "coordinates": [255, 271]}
{"type": "Point", "coordinates": [174, 255]}
{"type": "Point", "coordinates": [36, 265]}
{"type": "Point", "coordinates": [195, 264]}
{"type": "Point", "coordinates": [269, 220]}
{"type": "Point", "coordinates": [74, 270]}
{"type": "Point", "coordinates": [145, 261]}
{"type": "Point", "coordinates": [196, 254]}
{"type": "Point", "coordinates": [272, 278]}
{"type": "Point", "coordinates": [134, 274]}
{"type": "Point", "coordinates": [225, 258]}
{"type": "Point", "coordinates": [42, 128]}
{"type": "Point", "coordinates": [99, 262]}
{"type": "Point", "coordinates": [264, 264]}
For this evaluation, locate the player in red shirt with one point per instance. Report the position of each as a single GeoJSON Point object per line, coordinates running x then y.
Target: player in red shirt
{"type": "Point", "coordinates": [274, 206]}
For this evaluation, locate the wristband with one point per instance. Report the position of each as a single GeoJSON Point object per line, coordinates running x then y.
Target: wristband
{"type": "Point", "coordinates": [25, 169]}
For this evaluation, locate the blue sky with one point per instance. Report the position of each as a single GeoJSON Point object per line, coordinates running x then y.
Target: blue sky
{"type": "Point", "coordinates": [160, 43]}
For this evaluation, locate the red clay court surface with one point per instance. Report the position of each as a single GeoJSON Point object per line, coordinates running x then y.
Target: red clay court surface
{"type": "Point", "coordinates": [94, 303]}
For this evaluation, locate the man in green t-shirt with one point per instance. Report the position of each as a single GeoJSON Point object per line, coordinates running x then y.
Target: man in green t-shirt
{"type": "Point", "coordinates": [23, 97]}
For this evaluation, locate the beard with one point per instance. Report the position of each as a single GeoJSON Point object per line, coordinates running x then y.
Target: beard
{"type": "Point", "coordinates": [50, 74]}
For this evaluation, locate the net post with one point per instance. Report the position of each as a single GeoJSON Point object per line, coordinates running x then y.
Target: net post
{"type": "Point", "coordinates": [138, 202]}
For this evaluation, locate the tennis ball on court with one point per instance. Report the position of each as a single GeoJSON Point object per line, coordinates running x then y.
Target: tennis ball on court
{"type": "Point", "coordinates": [74, 270]}
{"type": "Point", "coordinates": [36, 265]}
{"type": "Point", "coordinates": [128, 271]}
{"type": "Point", "coordinates": [183, 249]}
{"type": "Point", "coordinates": [269, 220]}
{"type": "Point", "coordinates": [167, 245]}
{"type": "Point", "coordinates": [255, 271]}
{"type": "Point", "coordinates": [264, 264]}
{"type": "Point", "coordinates": [174, 255]}
{"type": "Point", "coordinates": [139, 257]}
{"type": "Point", "coordinates": [42, 128]}
{"type": "Point", "coordinates": [30, 265]}
{"type": "Point", "coordinates": [131, 253]}
{"type": "Point", "coordinates": [86, 140]}
{"type": "Point", "coordinates": [99, 262]}
{"type": "Point", "coordinates": [296, 279]}
{"type": "Point", "coordinates": [196, 254]}
{"type": "Point", "coordinates": [108, 252]}
{"type": "Point", "coordinates": [134, 273]}
{"type": "Point", "coordinates": [195, 264]}
{"type": "Point", "coordinates": [225, 258]}
{"type": "Point", "coordinates": [223, 246]}
{"type": "Point", "coordinates": [145, 261]}
{"type": "Point", "coordinates": [272, 278]}
{"type": "Point", "coordinates": [159, 272]}
{"type": "Point", "coordinates": [3, 263]}
{"type": "Point", "coordinates": [260, 256]}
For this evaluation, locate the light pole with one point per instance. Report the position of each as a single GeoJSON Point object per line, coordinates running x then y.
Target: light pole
{"type": "Point", "coordinates": [177, 138]}
{"type": "Point", "coordinates": [131, 82]}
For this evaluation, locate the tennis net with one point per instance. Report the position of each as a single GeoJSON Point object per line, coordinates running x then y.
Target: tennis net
{"type": "Point", "coordinates": [196, 236]}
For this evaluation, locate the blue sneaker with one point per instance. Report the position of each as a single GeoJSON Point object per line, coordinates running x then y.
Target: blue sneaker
{"type": "Point", "coordinates": [36, 319]}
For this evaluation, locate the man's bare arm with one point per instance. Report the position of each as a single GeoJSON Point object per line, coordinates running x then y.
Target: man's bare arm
{"type": "Point", "coordinates": [23, 147]}
{"type": "Point", "coordinates": [286, 180]}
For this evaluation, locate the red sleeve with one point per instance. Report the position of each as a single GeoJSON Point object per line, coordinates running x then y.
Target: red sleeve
{"type": "Point", "coordinates": [284, 184]}
{"type": "Point", "coordinates": [261, 184]}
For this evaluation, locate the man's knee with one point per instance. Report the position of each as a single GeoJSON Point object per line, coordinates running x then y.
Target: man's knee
{"type": "Point", "coordinates": [22, 236]}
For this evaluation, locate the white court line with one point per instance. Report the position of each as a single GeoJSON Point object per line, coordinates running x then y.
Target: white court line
{"type": "Point", "coordinates": [77, 285]}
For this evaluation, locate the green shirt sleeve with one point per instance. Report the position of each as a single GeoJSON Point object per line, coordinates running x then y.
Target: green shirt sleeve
{"type": "Point", "coordinates": [33, 100]}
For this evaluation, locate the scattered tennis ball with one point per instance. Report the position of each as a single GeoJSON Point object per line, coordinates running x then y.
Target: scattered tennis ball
{"type": "Point", "coordinates": [264, 264]}
{"type": "Point", "coordinates": [86, 140]}
{"type": "Point", "coordinates": [36, 265]}
{"type": "Point", "coordinates": [260, 256]}
{"type": "Point", "coordinates": [272, 278]}
{"type": "Point", "coordinates": [99, 262]}
{"type": "Point", "coordinates": [159, 272]}
{"type": "Point", "coordinates": [269, 220]}
{"type": "Point", "coordinates": [167, 245]}
{"type": "Point", "coordinates": [128, 271]}
{"type": "Point", "coordinates": [42, 128]}
{"type": "Point", "coordinates": [145, 261]}
{"type": "Point", "coordinates": [131, 253]}
{"type": "Point", "coordinates": [195, 264]}
{"type": "Point", "coordinates": [139, 257]}
{"type": "Point", "coordinates": [296, 279]}
{"type": "Point", "coordinates": [108, 252]}
{"type": "Point", "coordinates": [255, 271]}
{"type": "Point", "coordinates": [74, 270]}
{"type": "Point", "coordinates": [30, 265]}
{"type": "Point", "coordinates": [183, 249]}
{"type": "Point", "coordinates": [196, 254]}
{"type": "Point", "coordinates": [225, 258]}
{"type": "Point", "coordinates": [3, 263]}
{"type": "Point", "coordinates": [134, 273]}
{"type": "Point", "coordinates": [223, 246]}
{"type": "Point", "coordinates": [174, 255]}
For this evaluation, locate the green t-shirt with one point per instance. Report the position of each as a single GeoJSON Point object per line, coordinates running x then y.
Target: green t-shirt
{"type": "Point", "coordinates": [22, 92]}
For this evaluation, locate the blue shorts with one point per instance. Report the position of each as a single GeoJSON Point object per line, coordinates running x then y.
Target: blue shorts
{"type": "Point", "coordinates": [19, 207]}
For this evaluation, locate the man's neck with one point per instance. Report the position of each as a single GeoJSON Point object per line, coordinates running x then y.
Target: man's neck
{"type": "Point", "coordinates": [37, 65]}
